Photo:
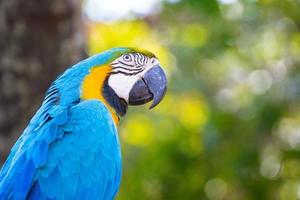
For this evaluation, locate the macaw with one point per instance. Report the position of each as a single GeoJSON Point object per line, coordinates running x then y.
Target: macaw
{"type": "Point", "coordinates": [70, 149]}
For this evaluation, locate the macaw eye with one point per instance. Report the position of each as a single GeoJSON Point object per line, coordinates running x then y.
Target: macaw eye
{"type": "Point", "coordinates": [127, 58]}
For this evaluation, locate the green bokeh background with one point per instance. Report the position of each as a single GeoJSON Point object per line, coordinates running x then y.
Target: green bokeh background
{"type": "Point", "coordinates": [229, 126]}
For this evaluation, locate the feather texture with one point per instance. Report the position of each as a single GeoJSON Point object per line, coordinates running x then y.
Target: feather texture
{"type": "Point", "coordinates": [70, 149]}
{"type": "Point", "coordinates": [83, 162]}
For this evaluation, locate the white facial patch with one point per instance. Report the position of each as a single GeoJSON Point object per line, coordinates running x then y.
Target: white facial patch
{"type": "Point", "coordinates": [122, 84]}
{"type": "Point", "coordinates": [127, 70]}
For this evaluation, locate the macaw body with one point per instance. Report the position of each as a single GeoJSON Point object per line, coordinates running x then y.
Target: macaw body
{"type": "Point", "coordinates": [70, 149]}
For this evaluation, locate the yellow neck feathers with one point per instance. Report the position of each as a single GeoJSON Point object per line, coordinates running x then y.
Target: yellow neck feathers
{"type": "Point", "coordinates": [93, 85]}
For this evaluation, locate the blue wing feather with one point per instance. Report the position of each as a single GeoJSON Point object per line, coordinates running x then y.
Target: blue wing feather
{"type": "Point", "coordinates": [29, 153]}
{"type": "Point", "coordinates": [35, 193]}
{"type": "Point", "coordinates": [80, 158]}
{"type": "Point", "coordinates": [91, 148]}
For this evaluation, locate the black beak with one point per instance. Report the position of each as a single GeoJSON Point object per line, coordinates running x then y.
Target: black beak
{"type": "Point", "coordinates": [152, 86]}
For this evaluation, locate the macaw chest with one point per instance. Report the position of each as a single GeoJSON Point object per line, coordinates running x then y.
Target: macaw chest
{"type": "Point", "coordinates": [86, 161]}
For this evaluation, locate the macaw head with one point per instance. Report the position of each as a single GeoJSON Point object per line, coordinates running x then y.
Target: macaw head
{"type": "Point", "coordinates": [126, 76]}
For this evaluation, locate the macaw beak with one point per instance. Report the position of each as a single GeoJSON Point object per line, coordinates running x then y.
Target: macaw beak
{"type": "Point", "coordinates": [152, 86]}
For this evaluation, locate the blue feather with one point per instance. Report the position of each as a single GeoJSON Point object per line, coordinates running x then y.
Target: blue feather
{"type": "Point", "coordinates": [70, 149]}
{"type": "Point", "coordinates": [35, 193]}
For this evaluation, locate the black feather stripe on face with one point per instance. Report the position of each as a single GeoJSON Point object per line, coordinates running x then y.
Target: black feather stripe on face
{"type": "Point", "coordinates": [127, 74]}
{"type": "Point", "coordinates": [130, 67]}
{"type": "Point", "coordinates": [134, 69]}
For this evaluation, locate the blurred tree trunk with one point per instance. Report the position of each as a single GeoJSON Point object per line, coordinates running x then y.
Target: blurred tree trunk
{"type": "Point", "coordinates": [38, 40]}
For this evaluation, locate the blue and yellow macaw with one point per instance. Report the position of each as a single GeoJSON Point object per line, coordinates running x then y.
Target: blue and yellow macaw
{"type": "Point", "coordinates": [70, 149]}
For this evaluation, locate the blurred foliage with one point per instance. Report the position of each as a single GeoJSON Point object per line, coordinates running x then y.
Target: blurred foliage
{"type": "Point", "coordinates": [229, 126]}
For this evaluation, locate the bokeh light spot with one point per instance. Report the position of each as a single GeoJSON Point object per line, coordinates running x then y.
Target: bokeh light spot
{"type": "Point", "coordinates": [192, 111]}
{"type": "Point", "coordinates": [215, 189]}
{"type": "Point", "coordinates": [138, 131]}
{"type": "Point", "coordinates": [259, 81]}
{"type": "Point", "coordinates": [270, 167]}
{"type": "Point", "coordinates": [194, 35]}
{"type": "Point", "coordinates": [108, 11]}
